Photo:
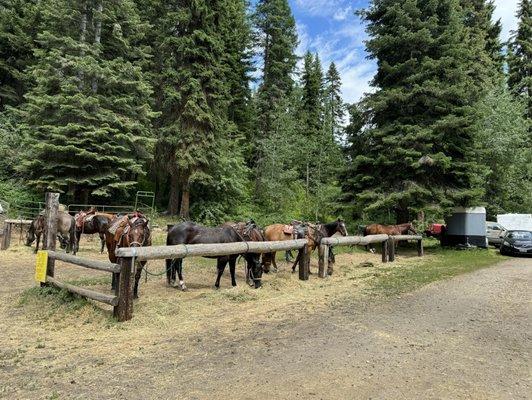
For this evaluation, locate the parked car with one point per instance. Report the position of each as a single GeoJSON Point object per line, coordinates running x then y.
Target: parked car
{"type": "Point", "coordinates": [495, 232]}
{"type": "Point", "coordinates": [517, 243]}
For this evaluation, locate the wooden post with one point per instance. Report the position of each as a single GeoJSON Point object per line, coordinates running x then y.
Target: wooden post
{"type": "Point", "coordinates": [420, 248]}
{"type": "Point", "coordinates": [385, 251]}
{"type": "Point", "coordinates": [123, 311]}
{"type": "Point", "coordinates": [6, 238]}
{"type": "Point", "coordinates": [304, 261]}
{"type": "Point", "coordinates": [323, 253]}
{"type": "Point", "coordinates": [391, 249]}
{"type": "Point", "coordinates": [50, 227]}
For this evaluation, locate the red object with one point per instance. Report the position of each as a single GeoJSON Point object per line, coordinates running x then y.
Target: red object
{"type": "Point", "coordinates": [436, 228]}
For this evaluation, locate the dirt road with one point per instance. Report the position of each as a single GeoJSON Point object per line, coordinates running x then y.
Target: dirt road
{"type": "Point", "coordinates": [469, 337]}
{"type": "Point", "coordinates": [465, 338]}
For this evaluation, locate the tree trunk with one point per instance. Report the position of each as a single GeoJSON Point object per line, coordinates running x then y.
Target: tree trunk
{"type": "Point", "coordinates": [173, 201]}
{"type": "Point", "coordinates": [184, 211]}
{"type": "Point", "coordinates": [82, 35]}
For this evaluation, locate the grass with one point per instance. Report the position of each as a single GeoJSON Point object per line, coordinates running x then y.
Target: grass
{"type": "Point", "coordinates": [438, 264]}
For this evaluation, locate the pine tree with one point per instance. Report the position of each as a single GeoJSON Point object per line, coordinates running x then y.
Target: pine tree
{"type": "Point", "coordinates": [277, 38]}
{"type": "Point", "coordinates": [18, 31]}
{"type": "Point", "coordinates": [86, 120]}
{"type": "Point", "coordinates": [197, 73]}
{"type": "Point", "coordinates": [419, 153]}
{"type": "Point", "coordinates": [520, 57]}
{"type": "Point", "coordinates": [479, 20]}
{"type": "Point", "coordinates": [334, 106]}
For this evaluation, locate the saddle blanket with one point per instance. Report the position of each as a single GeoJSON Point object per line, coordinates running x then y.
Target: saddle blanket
{"type": "Point", "coordinates": [288, 229]}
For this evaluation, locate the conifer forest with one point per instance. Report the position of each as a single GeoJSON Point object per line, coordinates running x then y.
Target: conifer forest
{"type": "Point", "coordinates": [207, 104]}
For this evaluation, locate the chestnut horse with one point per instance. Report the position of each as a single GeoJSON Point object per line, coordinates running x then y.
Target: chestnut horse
{"type": "Point", "coordinates": [130, 230]}
{"type": "Point", "coordinates": [392, 230]}
{"type": "Point", "coordinates": [280, 232]}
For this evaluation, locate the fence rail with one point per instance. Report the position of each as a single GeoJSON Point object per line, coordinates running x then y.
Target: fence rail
{"type": "Point", "coordinates": [206, 250]}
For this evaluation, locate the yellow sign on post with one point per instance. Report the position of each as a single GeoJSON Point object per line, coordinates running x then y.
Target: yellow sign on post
{"type": "Point", "coordinates": [40, 265]}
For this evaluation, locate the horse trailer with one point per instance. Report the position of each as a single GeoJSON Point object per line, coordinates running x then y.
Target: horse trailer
{"type": "Point", "coordinates": [466, 227]}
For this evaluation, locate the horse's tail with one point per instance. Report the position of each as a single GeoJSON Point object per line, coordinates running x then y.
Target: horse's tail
{"type": "Point", "coordinates": [365, 231]}
{"type": "Point", "coordinates": [72, 234]}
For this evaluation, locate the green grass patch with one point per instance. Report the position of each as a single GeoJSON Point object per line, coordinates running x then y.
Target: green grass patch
{"type": "Point", "coordinates": [100, 280]}
{"type": "Point", "coordinates": [439, 264]}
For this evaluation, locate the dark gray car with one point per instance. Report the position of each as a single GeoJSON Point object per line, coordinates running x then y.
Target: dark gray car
{"type": "Point", "coordinates": [517, 242]}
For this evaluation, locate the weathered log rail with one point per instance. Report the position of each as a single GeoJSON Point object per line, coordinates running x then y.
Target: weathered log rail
{"type": "Point", "coordinates": [388, 247]}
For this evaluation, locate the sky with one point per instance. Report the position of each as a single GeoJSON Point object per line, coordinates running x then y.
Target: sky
{"type": "Point", "coordinates": [330, 28]}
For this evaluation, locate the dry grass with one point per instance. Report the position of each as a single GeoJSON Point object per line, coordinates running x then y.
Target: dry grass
{"type": "Point", "coordinates": [50, 332]}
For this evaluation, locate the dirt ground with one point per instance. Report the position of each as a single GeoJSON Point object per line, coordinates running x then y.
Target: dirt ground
{"type": "Point", "coordinates": [468, 337]}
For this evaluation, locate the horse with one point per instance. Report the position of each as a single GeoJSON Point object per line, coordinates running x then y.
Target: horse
{"type": "Point", "coordinates": [392, 230]}
{"type": "Point", "coordinates": [131, 230]}
{"type": "Point", "coordinates": [91, 222]}
{"type": "Point", "coordinates": [66, 228]}
{"type": "Point", "coordinates": [316, 232]}
{"type": "Point", "coordinates": [192, 233]}
{"type": "Point", "coordinates": [279, 232]}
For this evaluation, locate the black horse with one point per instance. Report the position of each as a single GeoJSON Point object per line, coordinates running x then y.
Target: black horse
{"type": "Point", "coordinates": [192, 233]}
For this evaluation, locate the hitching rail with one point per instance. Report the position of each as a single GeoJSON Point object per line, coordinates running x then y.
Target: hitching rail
{"type": "Point", "coordinates": [208, 250]}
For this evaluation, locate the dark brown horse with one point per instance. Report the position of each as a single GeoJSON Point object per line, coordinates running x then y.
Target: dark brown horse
{"type": "Point", "coordinates": [130, 230]}
{"type": "Point", "coordinates": [92, 222]}
{"type": "Point", "coordinates": [316, 232]}
{"type": "Point", "coordinates": [65, 231]}
{"type": "Point", "coordinates": [392, 230]}
{"type": "Point", "coordinates": [192, 233]}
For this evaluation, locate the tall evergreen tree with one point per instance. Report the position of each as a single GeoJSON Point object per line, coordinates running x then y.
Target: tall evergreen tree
{"type": "Point", "coordinates": [19, 20]}
{"type": "Point", "coordinates": [334, 106]}
{"type": "Point", "coordinates": [199, 71]}
{"type": "Point", "coordinates": [420, 146]}
{"type": "Point", "coordinates": [479, 19]}
{"type": "Point", "coordinates": [86, 120]}
{"type": "Point", "coordinates": [277, 38]}
{"type": "Point", "coordinates": [520, 57]}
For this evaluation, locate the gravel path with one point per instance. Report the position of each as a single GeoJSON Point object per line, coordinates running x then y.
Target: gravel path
{"type": "Point", "coordinates": [465, 338]}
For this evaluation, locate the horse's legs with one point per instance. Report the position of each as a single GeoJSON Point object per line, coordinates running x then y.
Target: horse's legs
{"type": "Point", "coordinates": [288, 256]}
{"type": "Point", "coordinates": [102, 241]}
{"type": "Point", "coordinates": [37, 240]}
{"type": "Point", "coordinates": [179, 268]}
{"type": "Point", "coordinates": [274, 263]}
{"type": "Point", "coordinates": [232, 270]}
{"type": "Point", "coordinates": [331, 262]}
{"type": "Point", "coordinates": [138, 273]}
{"type": "Point", "coordinates": [220, 265]}
{"type": "Point", "coordinates": [170, 270]}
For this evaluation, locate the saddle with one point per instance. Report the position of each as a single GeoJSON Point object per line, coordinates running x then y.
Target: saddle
{"type": "Point", "coordinates": [84, 216]}
{"type": "Point", "coordinates": [288, 229]}
{"type": "Point", "coordinates": [119, 227]}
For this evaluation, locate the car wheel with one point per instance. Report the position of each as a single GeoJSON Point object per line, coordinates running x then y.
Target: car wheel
{"type": "Point", "coordinates": [503, 252]}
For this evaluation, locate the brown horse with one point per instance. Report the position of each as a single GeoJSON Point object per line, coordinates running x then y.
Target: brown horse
{"type": "Point", "coordinates": [280, 232]}
{"type": "Point", "coordinates": [392, 230]}
{"type": "Point", "coordinates": [130, 230]}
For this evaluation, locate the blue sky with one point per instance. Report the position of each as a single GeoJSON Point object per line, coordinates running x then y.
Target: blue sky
{"type": "Point", "coordinates": [330, 28]}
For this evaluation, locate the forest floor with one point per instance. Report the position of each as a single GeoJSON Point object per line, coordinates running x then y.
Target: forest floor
{"type": "Point", "coordinates": [380, 331]}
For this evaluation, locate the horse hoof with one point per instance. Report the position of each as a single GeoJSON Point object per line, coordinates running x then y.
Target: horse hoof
{"type": "Point", "coordinates": [183, 288]}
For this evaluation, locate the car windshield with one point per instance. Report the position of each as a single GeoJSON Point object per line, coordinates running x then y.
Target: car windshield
{"type": "Point", "coordinates": [520, 235]}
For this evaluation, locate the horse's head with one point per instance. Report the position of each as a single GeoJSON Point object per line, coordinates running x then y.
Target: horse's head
{"type": "Point", "coordinates": [340, 227]}
{"type": "Point", "coordinates": [410, 228]}
{"type": "Point", "coordinates": [138, 233]}
{"type": "Point", "coordinates": [253, 233]}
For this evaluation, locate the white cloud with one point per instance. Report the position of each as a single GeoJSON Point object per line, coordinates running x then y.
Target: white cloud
{"type": "Point", "coordinates": [342, 13]}
{"type": "Point", "coordinates": [505, 10]}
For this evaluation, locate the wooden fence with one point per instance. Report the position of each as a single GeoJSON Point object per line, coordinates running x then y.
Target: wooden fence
{"type": "Point", "coordinates": [122, 300]}
{"type": "Point", "coordinates": [388, 247]}
{"type": "Point", "coordinates": [9, 224]}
